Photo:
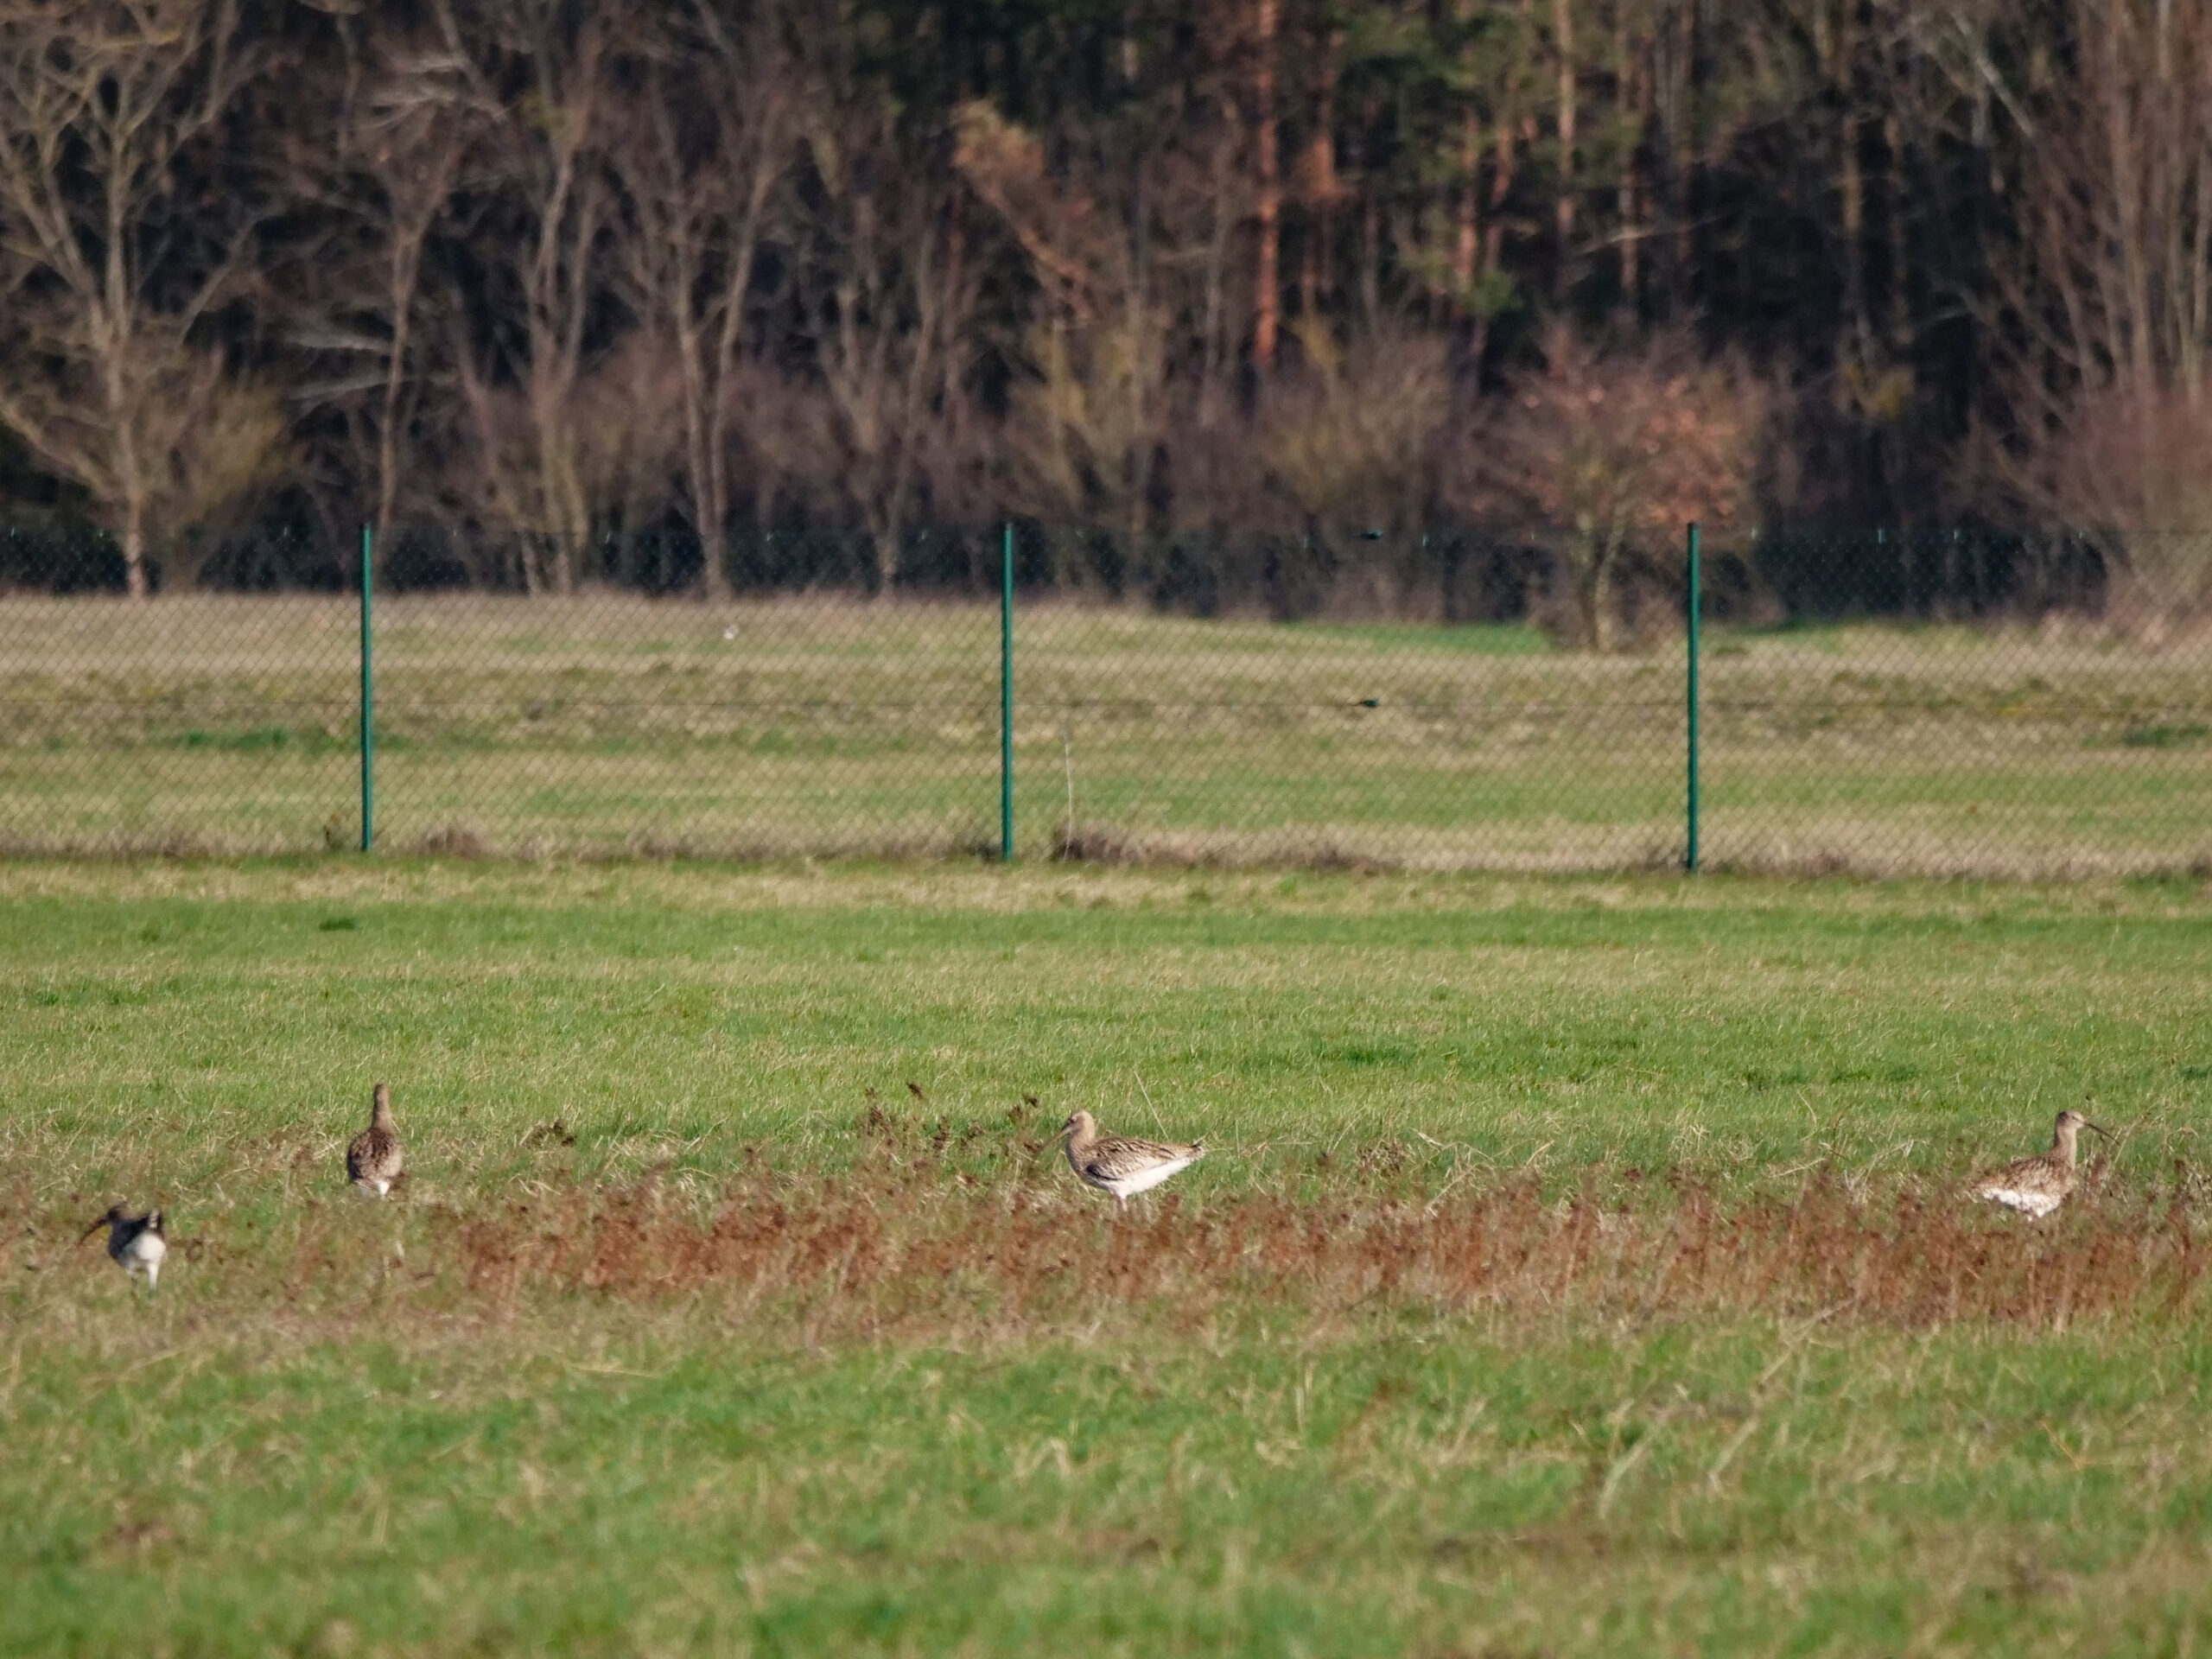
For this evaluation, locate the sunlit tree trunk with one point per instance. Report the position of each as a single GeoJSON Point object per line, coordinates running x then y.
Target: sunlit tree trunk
{"type": "Point", "coordinates": [1268, 284]}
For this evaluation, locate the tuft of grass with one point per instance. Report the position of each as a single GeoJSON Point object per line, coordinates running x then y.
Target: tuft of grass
{"type": "Point", "coordinates": [2162, 735]}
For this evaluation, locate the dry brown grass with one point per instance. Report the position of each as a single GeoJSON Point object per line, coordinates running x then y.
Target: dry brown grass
{"type": "Point", "coordinates": [916, 1250]}
{"type": "Point", "coordinates": [866, 1259]}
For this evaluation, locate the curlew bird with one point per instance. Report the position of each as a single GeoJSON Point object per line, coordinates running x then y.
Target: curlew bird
{"type": "Point", "coordinates": [1119, 1165]}
{"type": "Point", "coordinates": [373, 1161]}
{"type": "Point", "coordinates": [135, 1242]}
{"type": "Point", "coordinates": [2036, 1186]}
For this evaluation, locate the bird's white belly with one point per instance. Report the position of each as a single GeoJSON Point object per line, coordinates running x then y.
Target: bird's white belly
{"type": "Point", "coordinates": [2038, 1205]}
{"type": "Point", "coordinates": [143, 1255]}
{"type": "Point", "coordinates": [1128, 1186]}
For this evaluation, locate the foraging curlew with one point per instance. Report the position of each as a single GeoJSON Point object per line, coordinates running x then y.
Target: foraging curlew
{"type": "Point", "coordinates": [135, 1242]}
{"type": "Point", "coordinates": [2036, 1186]}
{"type": "Point", "coordinates": [1121, 1166]}
{"type": "Point", "coordinates": [372, 1162]}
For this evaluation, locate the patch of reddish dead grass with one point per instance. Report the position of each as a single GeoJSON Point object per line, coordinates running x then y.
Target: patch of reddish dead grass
{"type": "Point", "coordinates": [876, 1257]}
{"type": "Point", "coordinates": [921, 1249]}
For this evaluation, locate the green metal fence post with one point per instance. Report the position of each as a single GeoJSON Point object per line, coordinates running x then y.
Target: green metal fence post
{"type": "Point", "coordinates": [1006, 694]}
{"type": "Point", "coordinates": [1696, 605]}
{"type": "Point", "coordinates": [368, 701]}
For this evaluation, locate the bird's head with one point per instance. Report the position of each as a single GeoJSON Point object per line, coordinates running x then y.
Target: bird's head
{"type": "Point", "coordinates": [2071, 1123]}
{"type": "Point", "coordinates": [1080, 1122]}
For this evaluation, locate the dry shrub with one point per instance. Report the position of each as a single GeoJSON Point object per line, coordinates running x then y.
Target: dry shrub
{"type": "Point", "coordinates": [1350, 440]}
{"type": "Point", "coordinates": [905, 1250]}
{"type": "Point", "coordinates": [1621, 449]}
{"type": "Point", "coordinates": [451, 840]}
{"type": "Point", "coordinates": [1093, 844]}
{"type": "Point", "coordinates": [2126, 465]}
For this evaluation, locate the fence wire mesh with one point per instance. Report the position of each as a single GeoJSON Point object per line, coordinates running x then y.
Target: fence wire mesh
{"type": "Point", "coordinates": [2029, 708]}
{"type": "Point", "coordinates": [2043, 707]}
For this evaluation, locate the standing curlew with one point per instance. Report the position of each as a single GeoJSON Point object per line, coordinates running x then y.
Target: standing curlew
{"type": "Point", "coordinates": [2036, 1186]}
{"type": "Point", "coordinates": [372, 1162]}
{"type": "Point", "coordinates": [135, 1242]}
{"type": "Point", "coordinates": [1121, 1166]}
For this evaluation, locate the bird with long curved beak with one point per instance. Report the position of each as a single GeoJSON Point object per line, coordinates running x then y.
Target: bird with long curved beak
{"type": "Point", "coordinates": [135, 1242]}
{"type": "Point", "coordinates": [2036, 1186]}
{"type": "Point", "coordinates": [1121, 1164]}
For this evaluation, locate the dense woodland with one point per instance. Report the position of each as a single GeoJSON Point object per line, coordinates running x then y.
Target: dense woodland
{"type": "Point", "coordinates": [584, 291]}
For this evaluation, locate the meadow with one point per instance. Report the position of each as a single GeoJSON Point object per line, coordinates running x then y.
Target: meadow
{"type": "Point", "coordinates": [816, 725]}
{"type": "Point", "coordinates": [1580, 1264]}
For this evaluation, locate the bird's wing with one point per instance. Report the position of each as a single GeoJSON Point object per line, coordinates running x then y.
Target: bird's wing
{"type": "Point", "coordinates": [372, 1151]}
{"type": "Point", "coordinates": [1120, 1156]}
{"type": "Point", "coordinates": [2029, 1185]}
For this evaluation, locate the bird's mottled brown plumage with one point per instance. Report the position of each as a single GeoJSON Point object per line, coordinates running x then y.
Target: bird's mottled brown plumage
{"type": "Point", "coordinates": [2036, 1186]}
{"type": "Point", "coordinates": [136, 1242]}
{"type": "Point", "coordinates": [374, 1161]}
{"type": "Point", "coordinates": [1121, 1164]}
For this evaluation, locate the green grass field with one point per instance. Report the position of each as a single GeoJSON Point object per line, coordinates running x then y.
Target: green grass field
{"type": "Point", "coordinates": [1580, 1266]}
{"type": "Point", "coordinates": [610, 723]}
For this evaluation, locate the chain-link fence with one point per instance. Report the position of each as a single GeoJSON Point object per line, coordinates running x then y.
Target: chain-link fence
{"type": "Point", "coordinates": [1424, 702]}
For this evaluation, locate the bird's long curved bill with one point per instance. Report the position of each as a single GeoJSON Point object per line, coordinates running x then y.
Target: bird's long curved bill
{"type": "Point", "coordinates": [90, 1230]}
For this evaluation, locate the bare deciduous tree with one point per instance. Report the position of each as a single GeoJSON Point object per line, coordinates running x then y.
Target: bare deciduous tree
{"type": "Point", "coordinates": [2107, 303]}
{"type": "Point", "coordinates": [409, 133]}
{"type": "Point", "coordinates": [544, 68]}
{"type": "Point", "coordinates": [887, 288]}
{"type": "Point", "coordinates": [1130, 256]}
{"type": "Point", "coordinates": [704, 154]}
{"type": "Point", "coordinates": [111, 260]}
{"type": "Point", "coordinates": [347, 286]}
{"type": "Point", "coordinates": [1351, 441]}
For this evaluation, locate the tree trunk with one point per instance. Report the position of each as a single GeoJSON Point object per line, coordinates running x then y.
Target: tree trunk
{"type": "Point", "coordinates": [1852, 191]}
{"type": "Point", "coordinates": [1563, 29]}
{"type": "Point", "coordinates": [702, 435]}
{"type": "Point", "coordinates": [1266, 323]}
{"type": "Point", "coordinates": [395, 386]}
{"type": "Point", "coordinates": [1501, 189]}
{"type": "Point", "coordinates": [1314, 275]}
{"type": "Point", "coordinates": [1215, 348]}
{"type": "Point", "coordinates": [1590, 557]}
{"type": "Point", "coordinates": [1467, 241]}
{"type": "Point", "coordinates": [1635, 83]}
{"type": "Point", "coordinates": [134, 548]}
